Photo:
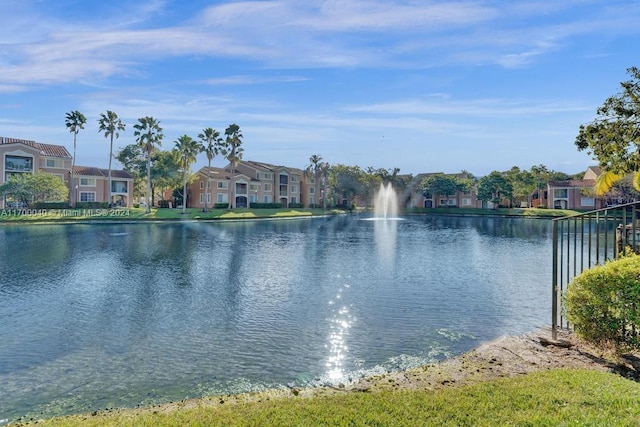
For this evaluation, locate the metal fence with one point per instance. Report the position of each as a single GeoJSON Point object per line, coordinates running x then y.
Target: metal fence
{"type": "Point", "coordinates": [585, 240]}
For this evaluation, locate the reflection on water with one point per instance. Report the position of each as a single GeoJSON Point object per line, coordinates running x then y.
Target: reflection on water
{"type": "Point", "coordinates": [127, 314]}
{"type": "Point", "coordinates": [385, 234]}
{"type": "Point", "coordinates": [340, 323]}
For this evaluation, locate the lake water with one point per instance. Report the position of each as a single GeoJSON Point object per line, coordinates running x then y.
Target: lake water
{"type": "Point", "coordinates": [98, 316]}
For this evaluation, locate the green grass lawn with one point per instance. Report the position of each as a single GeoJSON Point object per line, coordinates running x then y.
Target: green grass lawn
{"type": "Point", "coordinates": [546, 398]}
{"type": "Point", "coordinates": [133, 214]}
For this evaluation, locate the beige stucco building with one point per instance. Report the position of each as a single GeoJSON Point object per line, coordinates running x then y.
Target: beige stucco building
{"type": "Point", "coordinates": [19, 156]}
{"type": "Point", "coordinates": [253, 183]}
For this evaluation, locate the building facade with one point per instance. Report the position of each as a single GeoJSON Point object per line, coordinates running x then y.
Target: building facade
{"type": "Point", "coordinates": [575, 194]}
{"type": "Point", "coordinates": [253, 183]}
{"type": "Point", "coordinates": [92, 185]}
{"type": "Point", "coordinates": [19, 156]}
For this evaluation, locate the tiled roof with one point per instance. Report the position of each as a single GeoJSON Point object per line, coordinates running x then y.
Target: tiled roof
{"type": "Point", "coordinates": [215, 173]}
{"type": "Point", "coordinates": [91, 171]}
{"type": "Point", "coordinates": [46, 149]}
{"type": "Point", "coordinates": [573, 183]}
{"type": "Point", "coordinates": [270, 167]}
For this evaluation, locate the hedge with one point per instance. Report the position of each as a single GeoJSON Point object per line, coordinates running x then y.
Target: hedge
{"type": "Point", "coordinates": [603, 303]}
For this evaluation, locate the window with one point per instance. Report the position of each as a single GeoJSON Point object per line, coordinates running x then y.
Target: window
{"type": "Point", "coordinates": [222, 198]}
{"type": "Point", "coordinates": [312, 190]}
{"type": "Point", "coordinates": [267, 199]}
{"type": "Point", "coordinates": [312, 200]}
{"type": "Point", "coordinates": [560, 193]}
{"type": "Point", "coordinates": [312, 179]}
{"type": "Point", "coordinates": [443, 202]}
{"type": "Point", "coordinates": [223, 185]}
{"type": "Point", "coordinates": [86, 196]}
{"type": "Point", "coordinates": [118, 186]}
{"type": "Point", "coordinates": [294, 178]}
{"type": "Point", "coordinates": [587, 201]}
{"type": "Point", "coordinates": [294, 200]}
{"type": "Point", "coordinates": [88, 182]}
{"type": "Point", "coordinates": [294, 188]}
{"type": "Point", "coordinates": [208, 197]}
{"type": "Point", "coordinates": [201, 197]}
{"type": "Point", "coordinates": [267, 175]}
{"type": "Point", "coordinates": [201, 187]}
{"type": "Point", "coordinates": [253, 198]}
{"type": "Point", "coordinates": [268, 188]}
{"type": "Point", "coordinates": [254, 187]}
{"type": "Point", "coordinates": [466, 201]}
{"type": "Point", "coordinates": [18, 164]}
{"type": "Point", "coordinates": [51, 163]}
{"type": "Point", "coordinates": [284, 179]}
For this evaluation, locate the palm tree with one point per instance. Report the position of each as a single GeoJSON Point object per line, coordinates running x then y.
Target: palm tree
{"type": "Point", "coordinates": [149, 136]}
{"type": "Point", "coordinates": [188, 149]}
{"type": "Point", "coordinates": [231, 149]}
{"type": "Point", "coordinates": [111, 125]}
{"type": "Point", "coordinates": [211, 142]}
{"type": "Point", "coordinates": [324, 170]}
{"type": "Point", "coordinates": [314, 167]}
{"type": "Point", "coordinates": [75, 121]}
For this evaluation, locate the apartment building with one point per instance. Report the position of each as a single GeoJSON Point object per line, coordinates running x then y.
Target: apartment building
{"type": "Point", "coordinates": [414, 198]}
{"type": "Point", "coordinates": [92, 185]}
{"type": "Point", "coordinates": [253, 182]}
{"type": "Point", "coordinates": [575, 194]}
{"type": "Point", "coordinates": [25, 156]}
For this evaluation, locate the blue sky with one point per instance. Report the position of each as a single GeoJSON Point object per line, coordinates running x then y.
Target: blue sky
{"type": "Point", "coordinates": [421, 85]}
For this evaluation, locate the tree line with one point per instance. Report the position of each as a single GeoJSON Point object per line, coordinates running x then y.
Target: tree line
{"type": "Point", "coordinates": [612, 138]}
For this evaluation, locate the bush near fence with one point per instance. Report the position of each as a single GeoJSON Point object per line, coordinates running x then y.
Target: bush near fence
{"type": "Point", "coordinates": [603, 303]}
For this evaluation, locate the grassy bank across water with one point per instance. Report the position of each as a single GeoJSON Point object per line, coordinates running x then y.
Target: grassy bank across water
{"type": "Point", "coordinates": [138, 214]}
{"type": "Point", "coordinates": [24, 216]}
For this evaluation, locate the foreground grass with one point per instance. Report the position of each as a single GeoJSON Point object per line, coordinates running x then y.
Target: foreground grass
{"type": "Point", "coordinates": [547, 398]}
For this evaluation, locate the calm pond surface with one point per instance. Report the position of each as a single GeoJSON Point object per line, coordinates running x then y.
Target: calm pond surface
{"type": "Point", "coordinates": [98, 316]}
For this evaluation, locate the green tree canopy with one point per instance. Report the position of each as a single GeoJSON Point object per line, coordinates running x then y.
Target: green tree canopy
{"type": "Point", "coordinates": [26, 188]}
{"type": "Point", "coordinates": [494, 187]}
{"type": "Point", "coordinates": [440, 185]}
{"type": "Point", "coordinates": [346, 182]}
{"type": "Point", "coordinates": [613, 138]}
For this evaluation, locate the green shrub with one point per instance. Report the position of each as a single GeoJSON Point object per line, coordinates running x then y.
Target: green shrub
{"type": "Point", "coordinates": [92, 205]}
{"type": "Point", "coordinates": [603, 302]}
{"type": "Point", "coordinates": [266, 205]}
{"type": "Point", "coordinates": [296, 205]}
{"type": "Point", "coordinates": [51, 205]}
{"type": "Point", "coordinates": [224, 205]}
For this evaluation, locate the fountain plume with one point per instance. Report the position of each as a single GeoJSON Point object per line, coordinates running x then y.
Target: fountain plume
{"type": "Point", "coordinates": [386, 202]}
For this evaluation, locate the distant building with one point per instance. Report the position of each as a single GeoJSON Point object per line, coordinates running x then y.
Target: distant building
{"type": "Point", "coordinates": [414, 198]}
{"type": "Point", "coordinates": [574, 194]}
{"type": "Point", "coordinates": [19, 156]}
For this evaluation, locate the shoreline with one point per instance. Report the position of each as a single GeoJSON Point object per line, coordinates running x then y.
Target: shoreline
{"type": "Point", "coordinates": [506, 356]}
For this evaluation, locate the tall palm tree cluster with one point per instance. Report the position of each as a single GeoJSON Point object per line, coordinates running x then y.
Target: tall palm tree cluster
{"type": "Point", "coordinates": [149, 136]}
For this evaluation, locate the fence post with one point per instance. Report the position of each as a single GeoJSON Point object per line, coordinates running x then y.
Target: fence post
{"type": "Point", "coordinates": [554, 284]}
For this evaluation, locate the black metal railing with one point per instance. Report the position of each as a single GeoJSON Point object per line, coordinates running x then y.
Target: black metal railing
{"type": "Point", "coordinates": [585, 240]}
